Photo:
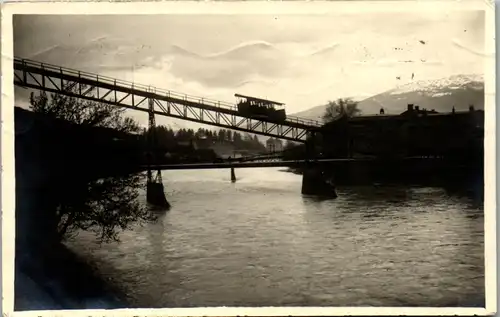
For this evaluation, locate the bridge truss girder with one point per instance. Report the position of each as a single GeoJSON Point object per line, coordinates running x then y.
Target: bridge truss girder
{"type": "Point", "coordinates": [111, 91]}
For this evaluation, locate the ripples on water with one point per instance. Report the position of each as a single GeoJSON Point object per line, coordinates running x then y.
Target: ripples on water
{"type": "Point", "coordinates": [258, 242]}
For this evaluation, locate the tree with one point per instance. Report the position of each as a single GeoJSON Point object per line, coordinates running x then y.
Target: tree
{"type": "Point", "coordinates": [103, 206]}
{"type": "Point", "coordinates": [83, 112]}
{"type": "Point", "coordinates": [237, 141]}
{"type": "Point", "coordinates": [221, 135]}
{"type": "Point", "coordinates": [162, 136]}
{"type": "Point", "coordinates": [200, 133]}
{"type": "Point", "coordinates": [182, 135]}
{"type": "Point", "coordinates": [340, 108]}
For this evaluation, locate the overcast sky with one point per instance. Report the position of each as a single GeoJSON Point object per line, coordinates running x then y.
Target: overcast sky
{"type": "Point", "coordinates": [303, 61]}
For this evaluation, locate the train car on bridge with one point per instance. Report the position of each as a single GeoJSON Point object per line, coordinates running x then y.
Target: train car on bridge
{"type": "Point", "coordinates": [260, 108]}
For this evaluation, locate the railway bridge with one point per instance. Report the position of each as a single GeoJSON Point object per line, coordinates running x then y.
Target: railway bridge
{"type": "Point", "coordinates": [154, 101]}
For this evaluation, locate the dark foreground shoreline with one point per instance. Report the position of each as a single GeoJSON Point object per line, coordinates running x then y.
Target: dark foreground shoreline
{"type": "Point", "coordinates": [57, 278]}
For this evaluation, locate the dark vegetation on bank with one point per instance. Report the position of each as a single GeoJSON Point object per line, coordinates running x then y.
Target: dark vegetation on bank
{"type": "Point", "coordinates": [189, 146]}
{"type": "Point", "coordinates": [73, 172]}
{"type": "Point", "coordinates": [58, 165]}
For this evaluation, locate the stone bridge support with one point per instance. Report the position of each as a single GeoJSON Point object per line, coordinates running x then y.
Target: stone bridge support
{"type": "Point", "coordinates": [156, 195]}
{"type": "Point", "coordinates": [314, 182]}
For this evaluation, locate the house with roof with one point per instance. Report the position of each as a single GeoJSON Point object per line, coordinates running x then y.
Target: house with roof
{"type": "Point", "coordinates": [274, 145]}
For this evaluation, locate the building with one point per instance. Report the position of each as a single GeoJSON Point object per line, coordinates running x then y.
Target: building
{"type": "Point", "coordinates": [415, 110]}
{"type": "Point", "coordinates": [415, 132]}
{"type": "Point", "coordinates": [274, 145]}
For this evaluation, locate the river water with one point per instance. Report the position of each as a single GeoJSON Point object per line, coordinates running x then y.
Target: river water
{"type": "Point", "coordinates": [258, 242]}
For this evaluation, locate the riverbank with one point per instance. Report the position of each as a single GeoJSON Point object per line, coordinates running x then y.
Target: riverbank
{"type": "Point", "coordinates": [47, 274]}
{"type": "Point", "coordinates": [56, 278]}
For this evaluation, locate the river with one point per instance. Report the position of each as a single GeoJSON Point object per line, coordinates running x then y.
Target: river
{"type": "Point", "coordinates": [258, 242]}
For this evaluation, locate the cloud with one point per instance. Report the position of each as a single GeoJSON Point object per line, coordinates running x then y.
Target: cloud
{"type": "Point", "coordinates": [300, 60]}
{"type": "Point", "coordinates": [471, 50]}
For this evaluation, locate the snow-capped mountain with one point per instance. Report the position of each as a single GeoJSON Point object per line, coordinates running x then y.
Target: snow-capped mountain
{"type": "Point", "coordinates": [432, 87]}
{"type": "Point", "coordinates": [442, 95]}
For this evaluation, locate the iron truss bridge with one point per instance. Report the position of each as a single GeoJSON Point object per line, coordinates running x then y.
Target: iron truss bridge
{"type": "Point", "coordinates": [88, 86]}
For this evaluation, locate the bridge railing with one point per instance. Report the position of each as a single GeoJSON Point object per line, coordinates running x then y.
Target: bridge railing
{"type": "Point", "coordinates": [124, 83]}
{"type": "Point", "coordinates": [144, 88]}
{"type": "Point", "coordinates": [304, 121]}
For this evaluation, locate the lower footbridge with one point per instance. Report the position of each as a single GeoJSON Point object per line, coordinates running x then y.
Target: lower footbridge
{"type": "Point", "coordinates": [258, 164]}
{"type": "Point", "coordinates": [313, 181]}
{"type": "Point", "coordinates": [261, 157]}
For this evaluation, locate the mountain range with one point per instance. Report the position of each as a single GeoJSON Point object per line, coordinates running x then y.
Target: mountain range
{"type": "Point", "coordinates": [442, 95]}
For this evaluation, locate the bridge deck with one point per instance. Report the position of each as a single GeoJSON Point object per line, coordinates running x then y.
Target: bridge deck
{"type": "Point", "coordinates": [89, 86]}
{"type": "Point", "coordinates": [227, 165]}
{"type": "Point", "coordinates": [296, 163]}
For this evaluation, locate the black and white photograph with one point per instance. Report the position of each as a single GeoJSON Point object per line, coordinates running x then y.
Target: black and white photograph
{"type": "Point", "coordinates": [332, 158]}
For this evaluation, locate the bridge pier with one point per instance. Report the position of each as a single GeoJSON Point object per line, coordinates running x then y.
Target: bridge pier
{"type": "Point", "coordinates": [315, 183]}
{"type": "Point", "coordinates": [156, 195]}
{"type": "Point", "coordinates": [155, 192]}
{"type": "Point", "coordinates": [233, 175]}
